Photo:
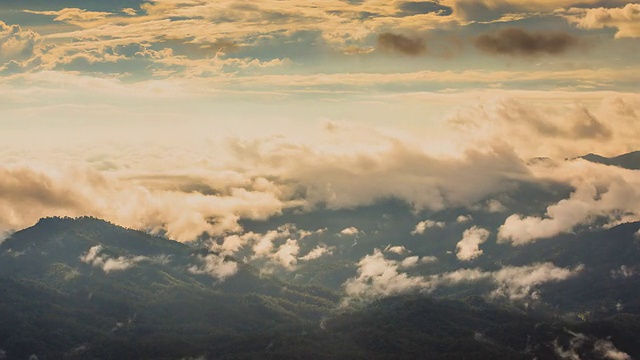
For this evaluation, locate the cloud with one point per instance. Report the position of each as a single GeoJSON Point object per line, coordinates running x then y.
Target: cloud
{"type": "Point", "coordinates": [91, 255]}
{"type": "Point", "coordinates": [422, 226]}
{"type": "Point", "coordinates": [121, 263]}
{"type": "Point", "coordinates": [401, 171]}
{"type": "Point", "coordinates": [217, 266]}
{"type": "Point", "coordinates": [495, 206]}
{"type": "Point", "coordinates": [74, 16]}
{"type": "Point", "coordinates": [129, 11]}
{"type": "Point", "coordinates": [401, 43]}
{"type": "Point", "coordinates": [409, 262]}
{"type": "Point", "coordinates": [518, 283]}
{"type": "Point", "coordinates": [575, 343]}
{"type": "Point", "coordinates": [280, 247]}
{"type": "Point", "coordinates": [264, 176]}
{"type": "Point", "coordinates": [398, 249]}
{"type": "Point", "coordinates": [563, 127]}
{"type": "Point", "coordinates": [519, 42]}
{"type": "Point", "coordinates": [601, 192]}
{"type": "Point", "coordinates": [31, 192]}
{"type": "Point", "coordinates": [287, 254]}
{"type": "Point", "coordinates": [586, 125]}
{"type": "Point", "coordinates": [317, 252]}
{"type": "Point", "coordinates": [625, 19]}
{"type": "Point", "coordinates": [604, 349]}
{"type": "Point", "coordinates": [463, 218]}
{"type": "Point", "coordinates": [469, 247]}
{"type": "Point", "coordinates": [184, 203]}
{"type": "Point", "coordinates": [623, 272]}
{"type": "Point", "coordinates": [380, 277]}
{"type": "Point", "coordinates": [428, 259]}
{"type": "Point", "coordinates": [350, 231]}
{"type": "Point", "coordinates": [607, 350]}
{"type": "Point", "coordinates": [16, 44]}
{"type": "Point", "coordinates": [264, 245]}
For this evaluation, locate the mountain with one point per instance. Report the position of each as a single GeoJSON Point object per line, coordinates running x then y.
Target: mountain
{"type": "Point", "coordinates": [88, 289]}
{"type": "Point", "coordinates": [137, 290]}
{"type": "Point", "coordinates": [628, 161]}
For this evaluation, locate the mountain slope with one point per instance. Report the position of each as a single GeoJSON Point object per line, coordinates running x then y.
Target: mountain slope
{"type": "Point", "coordinates": [55, 301]}
{"type": "Point", "coordinates": [628, 161]}
{"type": "Point", "coordinates": [62, 300]}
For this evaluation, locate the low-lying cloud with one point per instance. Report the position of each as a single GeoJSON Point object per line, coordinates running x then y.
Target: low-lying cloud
{"type": "Point", "coordinates": [110, 264]}
{"type": "Point", "coordinates": [216, 266]}
{"type": "Point", "coordinates": [601, 192]}
{"type": "Point", "coordinates": [381, 277]}
{"type": "Point", "coordinates": [469, 247]}
{"type": "Point", "coordinates": [422, 226]}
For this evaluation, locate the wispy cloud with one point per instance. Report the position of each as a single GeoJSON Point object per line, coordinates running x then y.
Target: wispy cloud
{"type": "Point", "coordinates": [110, 264]}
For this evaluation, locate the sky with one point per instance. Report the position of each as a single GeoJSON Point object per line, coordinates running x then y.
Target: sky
{"type": "Point", "coordinates": [184, 117]}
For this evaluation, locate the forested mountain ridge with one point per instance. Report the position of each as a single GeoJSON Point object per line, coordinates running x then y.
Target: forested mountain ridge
{"type": "Point", "coordinates": [87, 289]}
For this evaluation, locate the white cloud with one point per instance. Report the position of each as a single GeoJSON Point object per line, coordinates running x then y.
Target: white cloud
{"type": "Point", "coordinates": [574, 344]}
{"type": "Point", "coordinates": [409, 262]}
{"type": "Point", "coordinates": [119, 263]}
{"type": "Point", "coordinates": [463, 218]}
{"type": "Point", "coordinates": [536, 124]}
{"type": "Point", "coordinates": [422, 226]}
{"type": "Point", "coordinates": [264, 245]}
{"type": "Point", "coordinates": [217, 266]}
{"type": "Point", "coordinates": [317, 252]}
{"type": "Point", "coordinates": [495, 206]}
{"type": "Point", "coordinates": [34, 192]}
{"type": "Point", "coordinates": [518, 283]}
{"type": "Point", "coordinates": [380, 277]}
{"type": "Point", "coordinates": [183, 201]}
{"type": "Point", "coordinates": [607, 350]}
{"type": "Point", "coordinates": [600, 192]}
{"type": "Point", "coordinates": [91, 255]}
{"type": "Point", "coordinates": [287, 254]}
{"type": "Point", "coordinates": [109, 264]}
{"type": "Point", "coordinates": [16, 44]}
{"type": "Point", "coordinates": [350, 231]}
{"type": "Point", "coordinates": [469, 247]}
{"type": "Point", "coordinates": [428, 259]}
{"type": "Point", "coordinates": [397, 249]}
{"type": "Point", "coordinates": [625, 19]}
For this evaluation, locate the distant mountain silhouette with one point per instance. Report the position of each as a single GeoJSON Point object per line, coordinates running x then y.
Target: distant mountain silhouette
{"type": "Point", "coordinates": [628, 161]}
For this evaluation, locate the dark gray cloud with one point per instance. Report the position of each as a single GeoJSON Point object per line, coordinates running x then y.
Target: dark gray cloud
{"type": "Point", "coordinates": [401, 43]}
{"type": "Point", "coordinates": [423, 7]}
{"type": "Point", "coordinates": [518, 42]}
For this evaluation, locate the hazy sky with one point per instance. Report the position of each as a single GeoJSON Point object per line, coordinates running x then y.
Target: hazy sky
{"type": "Point", "coordinates": [186, 115]}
